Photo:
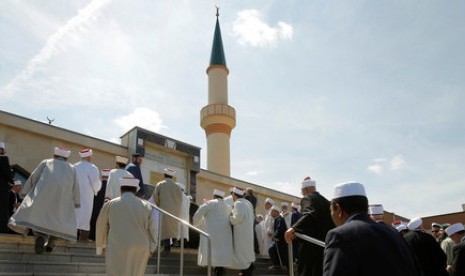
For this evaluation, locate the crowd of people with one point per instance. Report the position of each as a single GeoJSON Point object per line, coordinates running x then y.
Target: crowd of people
{"type": "Point", "coordinates": [114, 209]}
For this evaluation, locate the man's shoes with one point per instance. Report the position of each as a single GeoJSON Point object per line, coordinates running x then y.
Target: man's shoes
{"type": "Point", "coordinates": [48, 248]}
{"type": "Point", "coordinates": [39, 245]}
{"type": "Point", "coordinates": [274, 267]}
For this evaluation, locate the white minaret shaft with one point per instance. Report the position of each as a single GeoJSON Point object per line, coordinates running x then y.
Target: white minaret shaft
{"type": "Point", "coordinates": [218, 118]}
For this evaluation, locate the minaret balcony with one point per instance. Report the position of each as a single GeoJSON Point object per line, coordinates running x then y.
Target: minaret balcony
{"type": "Point", "coordinates": [215, 114]}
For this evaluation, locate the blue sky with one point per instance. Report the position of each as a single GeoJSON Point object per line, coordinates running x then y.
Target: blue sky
{"type": "Point", "coordinates": [371, 91]}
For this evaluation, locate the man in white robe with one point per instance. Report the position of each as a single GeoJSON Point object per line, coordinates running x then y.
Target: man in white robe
{"type": "Point", "coordinates": [113, 187]}
{"type": "Point", "coordinates": [125, 232]}
{"type": "Point", "coordinates": [242, 220]}
{"type": "Point", "coordinates": [213, 218]}
{"type": "Point", "coordinates": [51, 195]}
{"type": "Point", "coordinates": [168, 196]}
{"type": "Point", "coordinates": [259, 231]}
{"type": "Point", "coordinates": [268, 227]}
{"type": "Point", "coordinates": [89, 185]}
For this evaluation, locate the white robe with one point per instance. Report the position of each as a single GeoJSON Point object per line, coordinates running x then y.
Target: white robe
{"type": "Point", "coordinates": [229, 201]}
{"type": "Point", "coordinates": [89, 185]}
{"type": "Point", "coordinates": [113, 184]}
{"type": "Point", "coordinates": [242, 219]}
{"type": "Point", "coordinates": [287, 216]}
{"type": "Point", "coordinates": [51, 195]}
{"type": "Point", "coordinates": [125, 228]}
{"type": "Point", "coordinates": [268, 232]}
{"type": "Point", "coordinates": [185, 216]}
{"type": "Point", "coordinates": [155, 218]}
{"type": "Point", "coordinates": [259, 230]}
{"type": "Point", "coordinates": [213, 218]}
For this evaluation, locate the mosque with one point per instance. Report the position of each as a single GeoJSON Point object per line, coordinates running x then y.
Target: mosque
{"type": "Point", "coordinates": [28, 142]}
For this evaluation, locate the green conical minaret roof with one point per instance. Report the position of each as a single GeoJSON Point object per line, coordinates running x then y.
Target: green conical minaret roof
{"type": "Point", "coordinates": [217, 56]}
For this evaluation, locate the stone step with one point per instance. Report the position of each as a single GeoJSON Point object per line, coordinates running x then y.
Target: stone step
{"type": "Point", "coordinates": [17, 257]}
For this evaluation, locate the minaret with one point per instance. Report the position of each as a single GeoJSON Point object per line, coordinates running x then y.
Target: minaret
{"type": "Point", "coordinates": [218, 118]}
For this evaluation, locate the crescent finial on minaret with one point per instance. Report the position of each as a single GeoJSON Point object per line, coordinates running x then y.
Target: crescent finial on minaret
{"type": "Point", "coordinates": [217, 11]}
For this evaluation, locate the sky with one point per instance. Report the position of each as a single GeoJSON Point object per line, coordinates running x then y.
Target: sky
{"type": "Point", "coordinates": [367, 91]}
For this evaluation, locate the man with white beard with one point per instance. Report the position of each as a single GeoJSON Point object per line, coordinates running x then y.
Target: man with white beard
{"type": "Point", "coordinates": [213, 218]}
{"type": "Point", "coordinates": [242, 219]}
{"type": "Point", "coordinates": [89, 185]}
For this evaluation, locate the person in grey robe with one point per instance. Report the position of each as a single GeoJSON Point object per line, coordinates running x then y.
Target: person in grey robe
{"type": "Point", "coordinates": [51, 195]}
{"type": "Point", "coordinates": [125, 232]}
{"type": "Point", "coordinates": [168, 196]}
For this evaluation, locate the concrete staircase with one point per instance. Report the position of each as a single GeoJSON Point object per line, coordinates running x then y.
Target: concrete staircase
{"type": "Point", "coordinates": [17, 258]}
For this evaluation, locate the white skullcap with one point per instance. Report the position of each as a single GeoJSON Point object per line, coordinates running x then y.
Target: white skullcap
{"type": "Point", "coordinates": [294, 205]}
{"type": "Point", "coordinates": [2, 145]}
{"type": "Point", "coordinates": [349, 189]}
{"type": "Point", "coordinates": [308, 182]}
{"type": "Point", "coordinates": [85, 153]}
{"type": "Point", "coordinates": [169, 171]}
{"type": "Point", "coordinates": [129, 181]}
{"type": "Point", "coordinates": [435, 224]}
{"type": "Point", "coordinates": [375, 209]}
{"type": "Point", "coordinates": [401, 227]}
{"type": "Point", "coordinates": [284, 204]}
{"type": "Point", "coordinates": [121, 159]}
{"type": "Point", "coordinates": [218, 193]}
{"type": "Point", "coordinates": [62, 152]}
{"type": "Point", "coordinates": [17, 182]}
{"type": "Point", "coordinates": [454, 228]}
{"type": "Point", "coordinates": [238, 191]}
{"type": "Point", "coordinates": [269, 200]}
{"type": "Point", "coordinates": [276, 208]}
{"type": "Point", "coordinates": [182, 186]}
{"type": "Point", "coordinates": [105, 172]}
{"type": "Point", "coordinates": [414, 223]}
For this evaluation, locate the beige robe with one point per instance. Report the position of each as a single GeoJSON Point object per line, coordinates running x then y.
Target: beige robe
{"type": "Point", "coordinates": [213, 218]}
{"type": "Point", "coordinates": [51, 195]}
{"type": "Point", "coordinates": [242, 219]}
{"type": "Point", "coordinates": [168, 196]}
{"type": "Point", "coordinates": [89, 185]}
{"type": "Point", "coordinates": [125, 229]}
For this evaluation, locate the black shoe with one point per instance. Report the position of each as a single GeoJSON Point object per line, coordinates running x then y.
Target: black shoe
{"type": "Point", "coordinates": [48, 248]}
{"type": "Point", "coordinates": [39, 245]}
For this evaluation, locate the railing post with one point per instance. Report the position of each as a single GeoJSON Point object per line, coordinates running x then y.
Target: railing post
{"type": "Point", "coordinates": [159, 241]}
{"type": "Point", "coordinates": [209, 273]}
{"type": "Point", "coordinates": [290, 255]}
{"type": "Point", "coordinates": [181, 266]}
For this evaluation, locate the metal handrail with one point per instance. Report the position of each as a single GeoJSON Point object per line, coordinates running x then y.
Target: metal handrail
{"type": "Point", "coordinates": [290, 253]}
{"type": "Point", "coordinates": [183, 224]}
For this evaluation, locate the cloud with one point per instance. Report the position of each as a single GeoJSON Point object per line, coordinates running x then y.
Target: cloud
{"type": "Point", "coordinates": [397, 163]}
{"type": "Point", "coordinates": [381, 164]}
{"type": "Point", "coordinates": [142, 117]}
{"type": "Point", "coordinates": [376, 168]}
{"type": "Point", "coordinates": [249, 28]}
{"type": "Point", "coordinates": [76, 23]}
